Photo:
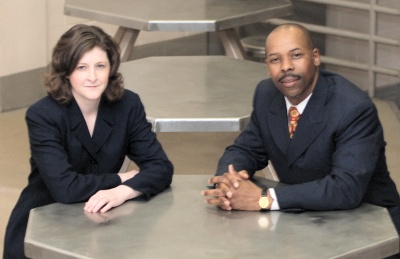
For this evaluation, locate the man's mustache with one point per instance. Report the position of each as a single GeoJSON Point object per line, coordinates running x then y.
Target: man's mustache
{"type": "Point", "coordinates": [289, 75]}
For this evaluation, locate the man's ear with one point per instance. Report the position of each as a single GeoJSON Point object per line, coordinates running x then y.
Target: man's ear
{"type": "Point", "coordinates": [316, 58]}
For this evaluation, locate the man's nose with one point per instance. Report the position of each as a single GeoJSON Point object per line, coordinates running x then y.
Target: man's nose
{"type": "Point", "coordinates": [287, 64]}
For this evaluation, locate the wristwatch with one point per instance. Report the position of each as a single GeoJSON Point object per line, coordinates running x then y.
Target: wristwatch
{"type": "Point", "coordinates": [263, 202]}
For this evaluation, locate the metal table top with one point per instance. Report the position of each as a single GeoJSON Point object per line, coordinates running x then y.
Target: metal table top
{"type": "Point", "coordinates": [178, 224]}
{"type": "Point", "coordinates": [195, 93]}
{"type": "Point", "coordinates": [221, 16]}
{"type": "Point", "coordinates": [178, 15]}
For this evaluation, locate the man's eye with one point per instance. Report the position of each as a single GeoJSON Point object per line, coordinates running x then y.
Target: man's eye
{"type": "Point", "coordinates": [296, 55]}
{"type": "Point", "coordinates": [274, 60]}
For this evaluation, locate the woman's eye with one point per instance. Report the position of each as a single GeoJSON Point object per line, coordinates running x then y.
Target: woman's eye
{"type": "Point", "coordinates": [80, 67]}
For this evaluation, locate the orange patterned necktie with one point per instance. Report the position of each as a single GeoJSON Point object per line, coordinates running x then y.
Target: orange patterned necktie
{"type": "Point", "coordinates": [294, 116]}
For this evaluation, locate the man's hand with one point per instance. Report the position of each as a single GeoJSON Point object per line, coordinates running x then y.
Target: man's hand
{"type": "Point", "coordinates": [246, 196]}
{"type": "Point", "coordinates": [229, 193]}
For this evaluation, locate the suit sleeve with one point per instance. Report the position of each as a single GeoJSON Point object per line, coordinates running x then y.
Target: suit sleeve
{"type": "Point", "coordinates": [144, 149]}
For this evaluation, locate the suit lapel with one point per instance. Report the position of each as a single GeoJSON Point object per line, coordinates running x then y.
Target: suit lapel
{"type": "Point", "coordinates": [278, 122]}
{"type": "Point", "coordinates": [79, 127]}
{"type": "Point", "coordinates": [102, 130]}
{"type": "Point", "coordinates": [104, 123]}
{"type": "Point", "coordinates": [311, 122]}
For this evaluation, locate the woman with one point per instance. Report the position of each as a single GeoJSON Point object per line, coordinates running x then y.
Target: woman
{"type": "Point", "coordinates": [81, 132]}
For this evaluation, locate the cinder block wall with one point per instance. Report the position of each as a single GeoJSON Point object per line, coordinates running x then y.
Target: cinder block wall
{"type": "Point", "coordinates": [387, 87]}
{"type": "Point", "coordinates": [358, 51]}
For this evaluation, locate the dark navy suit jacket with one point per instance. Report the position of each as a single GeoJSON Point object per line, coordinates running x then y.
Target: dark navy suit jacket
{"type": "Point", "coordinates": [68, 165]}
{"type": "Point", "coordinates": [336, 159]}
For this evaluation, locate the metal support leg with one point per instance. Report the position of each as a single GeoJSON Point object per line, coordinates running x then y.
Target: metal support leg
{"type": "Point", "coordinates": [125, 165]}
{"type": "Point", "coordinates": [126, 39]}
{"type": "Point", "coordinates": [232, 44]}
{"type": "Point", "coordinates": [270, 173]}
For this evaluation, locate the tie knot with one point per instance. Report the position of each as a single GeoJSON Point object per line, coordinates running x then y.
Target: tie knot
{"type": "Point", "coordinates": [294, 116]}
{"type": "Point", "coordinates": [294, 113]}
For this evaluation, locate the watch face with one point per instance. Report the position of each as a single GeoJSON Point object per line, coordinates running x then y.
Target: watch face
{"type": "Point", "coordinates": [263, 202]}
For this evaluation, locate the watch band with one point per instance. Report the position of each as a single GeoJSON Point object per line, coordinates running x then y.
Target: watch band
{"type": "Point", "coordinates": [264, 192]}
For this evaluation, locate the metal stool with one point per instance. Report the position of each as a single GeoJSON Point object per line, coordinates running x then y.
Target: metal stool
{"type": "Point", "coordinates": [254, 47]}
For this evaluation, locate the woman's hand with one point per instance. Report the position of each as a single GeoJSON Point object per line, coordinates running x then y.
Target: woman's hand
{"type": "Point", "coordinates": [104, 200]}
{"type": "Point", "coordinates": [101, 218]}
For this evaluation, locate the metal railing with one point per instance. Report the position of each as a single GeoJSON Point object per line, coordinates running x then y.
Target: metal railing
{"type": "Point", "coordinates": [371, 37]}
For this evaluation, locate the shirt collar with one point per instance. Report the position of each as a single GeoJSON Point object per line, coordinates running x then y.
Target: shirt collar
{"type": "Point", "coordinates": [300, 107]}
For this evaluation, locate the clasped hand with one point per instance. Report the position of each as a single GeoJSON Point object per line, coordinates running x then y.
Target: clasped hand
{"type": "Point", "coordinates": [233, 191]}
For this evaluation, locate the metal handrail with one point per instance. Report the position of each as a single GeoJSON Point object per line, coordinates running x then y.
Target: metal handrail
{"type": "Point", "coordinates": [355, 5]}
{"type": "Point", "coordinates": [340, 32]}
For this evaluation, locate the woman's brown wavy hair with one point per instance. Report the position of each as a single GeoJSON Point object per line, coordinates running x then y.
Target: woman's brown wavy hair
{"type": "Point", "coordinates": [69, 49]}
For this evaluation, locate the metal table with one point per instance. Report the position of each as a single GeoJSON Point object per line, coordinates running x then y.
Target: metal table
{"type": "Point", "coordinates": [194, 93]}
{"type": "Point", "coordinates": [220, 16]}
{"type": "Point", "coordinates": [178, 224]}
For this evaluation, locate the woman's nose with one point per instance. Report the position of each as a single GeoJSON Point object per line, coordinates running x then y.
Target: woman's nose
{"type": "Point", "coordinates": [92, 75]}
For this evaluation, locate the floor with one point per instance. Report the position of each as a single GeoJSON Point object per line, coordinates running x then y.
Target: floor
{"type": "Point", "coordinates": [191, 153]}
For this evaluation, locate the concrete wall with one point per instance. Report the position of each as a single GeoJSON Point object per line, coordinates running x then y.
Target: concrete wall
{"type": "Point", "coordinates": [23, 46]}
{"type": "Point", "coordinates": [28, 32]}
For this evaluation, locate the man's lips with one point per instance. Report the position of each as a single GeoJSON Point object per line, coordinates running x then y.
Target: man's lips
{"type": "Point", "coordinates": [289, 79]}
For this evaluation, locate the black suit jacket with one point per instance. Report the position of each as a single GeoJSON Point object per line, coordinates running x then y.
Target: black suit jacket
{"type": "Point", "coordinates": [68, 165]}
{"type": "Point", "coordinates": [336, 159]}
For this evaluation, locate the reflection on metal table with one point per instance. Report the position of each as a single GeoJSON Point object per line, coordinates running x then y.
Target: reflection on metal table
{"type": "Point", "coordinates": [220, 16]}
{"type": "Point", "coordinates": [178, 224]}
{"type": "Point", "coordinates": [194, 93]}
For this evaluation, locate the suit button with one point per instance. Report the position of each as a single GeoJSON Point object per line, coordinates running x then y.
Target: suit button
{"type": "Point", "coordinates": [93, 161]}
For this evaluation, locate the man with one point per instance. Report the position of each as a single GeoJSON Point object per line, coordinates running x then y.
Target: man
{"type": "Point", "coordinates": [331, 158]}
